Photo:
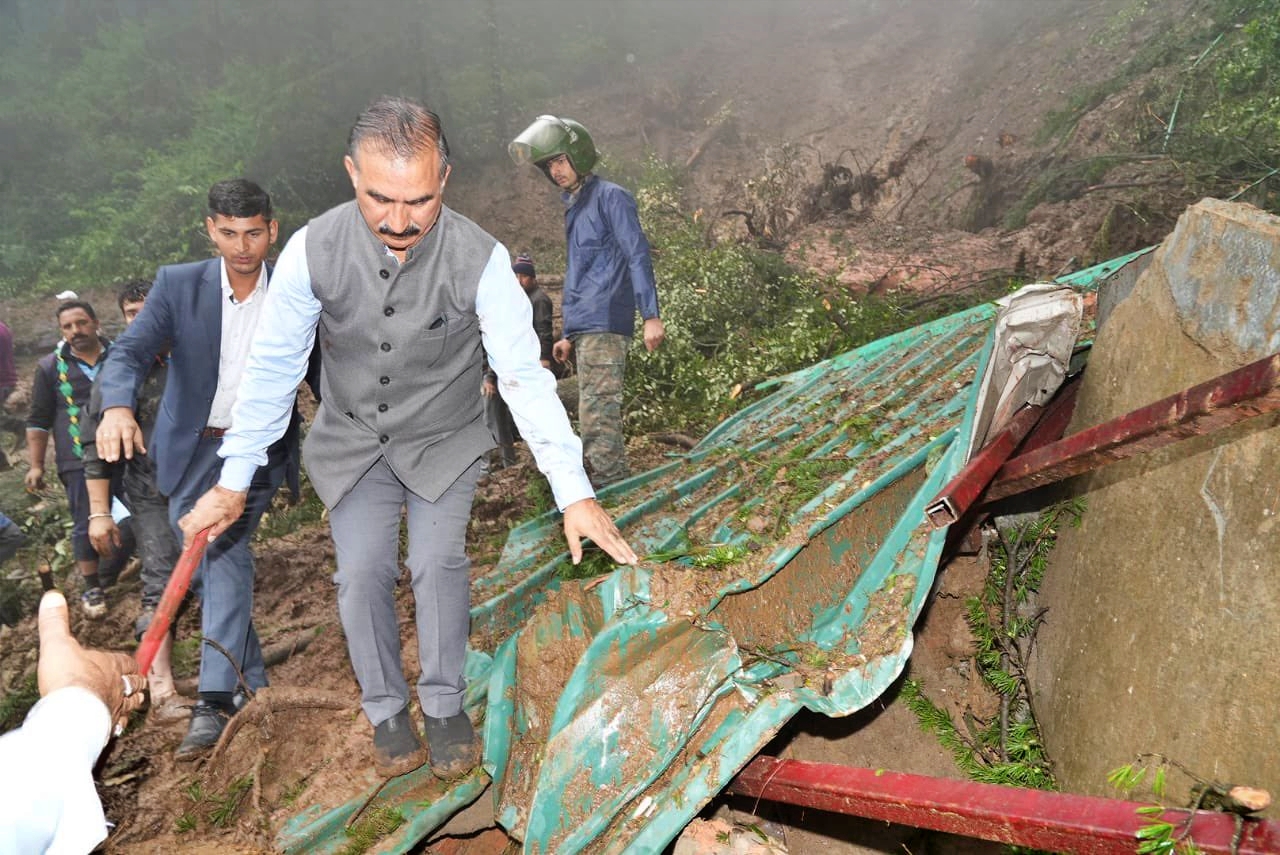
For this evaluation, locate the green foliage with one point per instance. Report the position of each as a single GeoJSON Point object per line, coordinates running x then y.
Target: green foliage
{"type": "Point", "coordinates": [595, 562]}
{"type": "Point", "coordinates": [1007, 748]}
{"type": "Point", "coordinates": [538, 499]}
{"type": "Point", "coordinates": [17, 702]}
{"type": "Point", "coordinates": [284, 517]}
{"type": "Point", "coordinates": [185, 657]}
{"type": "Point", "coordinates": [216, 809]}
{"type": "Point", "coordinates": [735, 315]}
{"type": "Point", "coordinates": [223, 807]}
{"type": "Point", "coordinates": [1209, 101]}
{"type": "Point", "coordinates": [704, 556]}
{"type": "Point", "coordinates": [117, 118]}
{"type": "Point", "coordinates": [1159, 835]}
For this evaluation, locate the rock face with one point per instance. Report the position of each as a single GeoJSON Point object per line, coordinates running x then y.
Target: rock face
{"type": "Point", "coordinates": [1163, 628]}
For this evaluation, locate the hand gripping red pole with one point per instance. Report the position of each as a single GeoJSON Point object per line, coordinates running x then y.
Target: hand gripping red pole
{"type": "Point", "coordinates": [179, 582]}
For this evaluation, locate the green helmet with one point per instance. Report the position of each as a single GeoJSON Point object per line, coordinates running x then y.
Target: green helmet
{"type": "Point", "coordinates": [548, 137]}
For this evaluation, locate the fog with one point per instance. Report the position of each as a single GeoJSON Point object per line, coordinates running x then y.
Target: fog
{"type": "Point", "coordinates": [117, 114]}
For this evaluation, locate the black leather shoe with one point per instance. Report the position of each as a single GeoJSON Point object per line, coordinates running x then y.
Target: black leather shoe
{"type": "Point", "coordinates": [207, 723]}
{"type": "Point", "coordinates": [397, 750]}
{"type": "Point", "coordinates": [145, 617]}
{"type": "Point", "coordinates": [453, 746]}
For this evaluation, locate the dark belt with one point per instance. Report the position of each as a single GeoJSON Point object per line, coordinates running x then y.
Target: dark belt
{"type": "Point", "coordinates": [212, 433]}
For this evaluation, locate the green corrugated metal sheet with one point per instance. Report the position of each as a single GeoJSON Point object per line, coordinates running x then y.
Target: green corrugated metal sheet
{"type": "Point", "coordinates": [612, 712]}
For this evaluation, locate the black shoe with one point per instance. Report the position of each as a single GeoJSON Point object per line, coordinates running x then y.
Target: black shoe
{"type": "Point", "coordinates": [397, 750]}
{"type": "Point", "coordinates": [145, 617]}
{"type": "Point", "coordinates": [207, 723]}
{"type": "Point", "coordinates": [453, 746]}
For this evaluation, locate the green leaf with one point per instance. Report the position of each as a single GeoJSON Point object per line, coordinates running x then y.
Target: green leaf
{"type": "Point", "coordinates": [1155, 829]}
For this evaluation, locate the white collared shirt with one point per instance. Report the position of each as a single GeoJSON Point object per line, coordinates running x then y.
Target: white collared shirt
{"type": "Point", "coordinates": [239, 320]}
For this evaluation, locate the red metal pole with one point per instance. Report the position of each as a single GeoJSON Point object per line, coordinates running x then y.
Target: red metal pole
{"type": "Point", "coordinates": [174, 591]}
{"type": "Point", "coordinates": [1056, 822]}
{"type": "Point", "coordinates": [964, 489]}
{"type": "Point", "coordinates": [1202, 409]}
{"type": "Point", "coordinates": [1030, 427]}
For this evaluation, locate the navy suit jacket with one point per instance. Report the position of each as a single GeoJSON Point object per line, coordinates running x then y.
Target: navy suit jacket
{"type": "Point", "coordinates": [183, 314]}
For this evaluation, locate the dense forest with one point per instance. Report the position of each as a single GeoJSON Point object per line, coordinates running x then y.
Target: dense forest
{"type": "Point", "coordinates": [117, 116]}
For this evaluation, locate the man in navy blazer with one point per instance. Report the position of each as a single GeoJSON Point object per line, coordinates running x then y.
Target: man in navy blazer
{"type": "Point", "coordinates": [205, 313]}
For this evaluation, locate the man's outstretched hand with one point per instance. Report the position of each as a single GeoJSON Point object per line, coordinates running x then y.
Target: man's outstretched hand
{"type": "Point", "coordinates": [112, 677]}
{"type": "Point", "coordinates": [585, 518]}
{"type": "Point", "coordinates": [118, 435]}
{"type": "Point", "coordinates": [216, 510]}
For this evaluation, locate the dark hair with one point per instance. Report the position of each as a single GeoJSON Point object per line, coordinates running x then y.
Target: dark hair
{"type": "Point", "coordinates": [399, 126]}
{"type": "Point", "coordinates": [133, 291]}
{"type": "Point", "coordinates": [74, 304]}
{"type": "Point", "coordinates": [239, 197]}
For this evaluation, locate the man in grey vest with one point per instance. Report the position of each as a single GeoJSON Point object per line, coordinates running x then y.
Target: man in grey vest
{"type": "Point", "coordinates": [401, 292]}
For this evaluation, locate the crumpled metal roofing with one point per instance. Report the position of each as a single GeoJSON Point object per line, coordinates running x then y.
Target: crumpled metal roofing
{"type": "Point", "coordinates": [613, 710]}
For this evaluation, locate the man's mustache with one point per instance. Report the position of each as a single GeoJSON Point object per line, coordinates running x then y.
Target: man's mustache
{"type": "Point", "coordinates": [409, 232]}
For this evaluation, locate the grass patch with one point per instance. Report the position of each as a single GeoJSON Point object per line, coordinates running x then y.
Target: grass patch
{"type": "Point", "coordinates": [17, 703]}
{"type": "Point", "coordinates": [371, 828]}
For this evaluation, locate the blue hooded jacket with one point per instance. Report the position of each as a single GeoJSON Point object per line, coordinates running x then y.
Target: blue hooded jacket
{"type": "Point", "coordinates": [609, 273]}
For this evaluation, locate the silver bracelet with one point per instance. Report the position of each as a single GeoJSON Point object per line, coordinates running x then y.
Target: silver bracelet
{"type": "Point", "coordinates": [98, 516]}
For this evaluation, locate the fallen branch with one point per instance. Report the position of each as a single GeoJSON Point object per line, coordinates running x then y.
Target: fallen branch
{"type": "Point", "coordinates": [272, 655]}
{"type": "Point", "coordinates": [270, 700]}
{"type": "Point", "coordinates": [706, 141]}
{"type": "Point", "coordinates": [1116, 185]}
{"type": "Point", "coordinates": [676, 439]}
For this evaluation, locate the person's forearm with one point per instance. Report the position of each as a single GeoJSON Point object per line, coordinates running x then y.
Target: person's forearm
{"type": "Point", "coordinates": [99, 495]}
{"type": "Point", "coordinates": [37, 446]}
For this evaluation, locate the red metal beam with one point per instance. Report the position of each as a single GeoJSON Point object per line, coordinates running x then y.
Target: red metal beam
{"type": "Point", "coordinates": [1238, 395]}
{"type": "Point", "coordinates": [964, 489]}
{"type": "Point", "coordinates": [1056, 822]}
{"type": "Point", "coordinates": [1036, 425]}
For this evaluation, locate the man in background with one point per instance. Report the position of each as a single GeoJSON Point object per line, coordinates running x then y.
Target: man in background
{"type": "Point", "coordinates": [205, 313]}
{"type": "Point", "coordinates": [608, 276]}
{"type": "Point", "coordinates": [8, 376]}
{"type": "Point", "coordinates": [496, 412]}
{"type": "Point", "coordinates": [59, 405]}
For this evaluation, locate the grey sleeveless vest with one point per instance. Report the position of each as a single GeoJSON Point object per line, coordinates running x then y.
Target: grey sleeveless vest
{"type": "Point", "coordinates": [400, 354]}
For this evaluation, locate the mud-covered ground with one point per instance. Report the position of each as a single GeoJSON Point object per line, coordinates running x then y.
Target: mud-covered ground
{"type": "Point", "coordinates": [920, 90]}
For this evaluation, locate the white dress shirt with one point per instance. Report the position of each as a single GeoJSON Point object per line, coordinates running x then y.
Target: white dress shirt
{"type": "Point", "coordinates": [239, 321]}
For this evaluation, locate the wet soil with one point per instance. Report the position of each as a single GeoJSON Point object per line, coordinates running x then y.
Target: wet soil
{"type": "Point", "coordinates": [967, 84]}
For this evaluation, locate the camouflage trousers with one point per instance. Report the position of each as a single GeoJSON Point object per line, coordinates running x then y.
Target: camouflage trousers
{"type": "Point", "coordinates": [602, 364]}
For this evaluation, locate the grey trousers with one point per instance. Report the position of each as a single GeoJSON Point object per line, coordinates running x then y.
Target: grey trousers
{"type": "Point", "coordinates": [366, 537]}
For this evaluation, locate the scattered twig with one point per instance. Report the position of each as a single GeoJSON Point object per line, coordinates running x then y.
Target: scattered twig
{"type": "Point", "coordinates": [368, 801]}
{"type": "Point", "coordinates": [270, 700]}
{"type": "Point", "coordinates": [243, 683]}
{"type": "Point", "coordinates": [676, 439]}
{"type": "Point", "coordinates": [272, 655]}
{"type": "Point", "coordinates": [256, 795]}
